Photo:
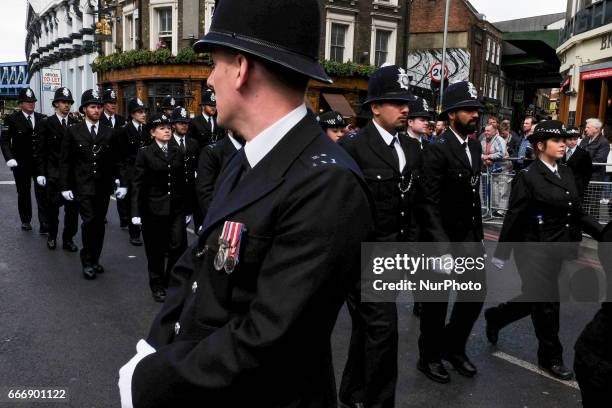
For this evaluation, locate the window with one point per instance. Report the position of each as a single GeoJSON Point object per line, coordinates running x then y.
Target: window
{"type": "Point", "coordinates": [157, 91]}
{"type": "Point", "coordinates": [165, 27]}
{"type": "Point", "coordinates": [382, 47]}
{"type": "Point", "coordinates": [499, 51]}
{"type": "Point", "coordinates": [163, 18]}
{"type": "Point", "coordinates": [488, 49]}
{"type": "Point", "coordinates": [338, 41]}
{"type": "Point", "coordinates": [209, 10]}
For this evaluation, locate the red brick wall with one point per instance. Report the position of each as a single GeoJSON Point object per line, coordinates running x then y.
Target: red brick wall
{"type": "Point", "coordinates": [427, 16]}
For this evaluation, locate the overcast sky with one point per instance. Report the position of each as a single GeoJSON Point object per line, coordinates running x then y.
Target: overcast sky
{"type": "Point", "coordinates": [501, 10]}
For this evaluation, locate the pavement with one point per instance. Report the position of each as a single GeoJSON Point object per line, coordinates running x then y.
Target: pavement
{"type": "Point", "coordinates": [59, 330]}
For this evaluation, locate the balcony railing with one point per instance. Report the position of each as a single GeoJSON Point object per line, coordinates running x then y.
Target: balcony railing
{"type": "Point", "coordinates": [591, 17]}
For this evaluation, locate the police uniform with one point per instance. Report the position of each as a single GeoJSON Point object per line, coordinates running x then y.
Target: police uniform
{"type": "Point", "coordinates": [257, 332]}
{"type": "Point", "coordinates": [88, 167]}
{"type": "Point", "coordinates": [130, 138]}
{"type": "Point", "coordinates": [115, 121]}
{"type": "Point", "coordinates": [205, 130]}
{"type": "Point", "coordinates": [543, 207]}
{"type": "Point", "coordinates": [581, 164]}
{"type": "Point", "coordinates": [52, 134]}
{"type": "Point", "coordinates": [159, 194]}
{"type": "Point", "coordinates": [20, 142]}
{"type": "Point", "coordinates": [167, 105]}
{"type": "Point", "coordinates": [452, 184]}
{"type": "Point", "coordinates": [419, 108]}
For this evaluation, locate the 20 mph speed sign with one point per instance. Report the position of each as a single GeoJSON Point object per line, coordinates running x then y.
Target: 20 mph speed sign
{"type": "Point", "coordinates": [436, 72]}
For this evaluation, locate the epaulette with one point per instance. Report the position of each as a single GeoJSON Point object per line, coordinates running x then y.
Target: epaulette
{"type": "Point", "coordinates": [322, 159]}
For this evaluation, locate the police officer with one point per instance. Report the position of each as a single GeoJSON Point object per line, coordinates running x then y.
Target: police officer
{"type": "Point", "coordinates": [332, 124]}
{"type": "Point", "coordinates": [452, 183]}
{"type": "Point", "coordinates": [110, 117]}
{"type": "Point", "coordinates": [204, 127]}
{"type": "Point", "coordinates": [159, 194]}
{"type": "Point", "coordinates": [190, 150]}
{"type": "Point", "coordinates": [88, 166]}
{"type": "Point", "coordinates": [130, 138]}
{"type": "Point", "coordinates": [418, 121]}
{"type": "Point", "coordinates": [52, 133]}
{"type": "Point", "coordinates": [167, 105]}
{"type": "Point", "coordinates": [578, 160]}
{"type": "Point", "coordinates": [20, 144]}
{"type": "Point", "coordinates": [251, 306]}
{"type": "Point", "coordinates": [544, 207]}
{"type": "Point", "coordinates": [391, 165]}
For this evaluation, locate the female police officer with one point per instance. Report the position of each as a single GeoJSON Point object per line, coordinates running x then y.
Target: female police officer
{"type": "Point", "coordinates": [158, 200]}
{"type": "Point", "coordinates": [544, 207]}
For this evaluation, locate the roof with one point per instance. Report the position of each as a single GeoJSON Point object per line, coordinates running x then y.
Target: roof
{"type": "Point", "coordinates": [536, 23]}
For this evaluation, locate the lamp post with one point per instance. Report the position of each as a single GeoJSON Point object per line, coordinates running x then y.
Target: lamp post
{"type": "Point", "coordinates": [443, 68]}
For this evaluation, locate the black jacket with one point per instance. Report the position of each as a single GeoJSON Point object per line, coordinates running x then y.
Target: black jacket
{"type": "Point", "coordinates": [190, 161]}
{"type": "Point", "coordinates": [158, 184]}
{"type": "Point", "coordinates": [260, 336]}
{"type": "Point", "coordinates": [452, 191]}
{"type": "Point", "coordinates": [199, 129]}
{"type": "Point", "coordinates": [129, 141]}
{"type": "Point", "coordinates": [213, 159]}
{"type": "Point", "coordinates": [119, 121]}
{"type": "Point", "coordinates": [581, 164]}
{"type": "Point", "coordinates": [50, 146]}
{"type": "Point", "coordinates": [544, 208]}
{"type": "Point", "coordinates": [89, 167]}
{"type": "Point", "coordinates": [19, 142]}
{"type": "Point", "coordinates": [396, 210]}
{"type": "Point", "coordinates": [598, 149]}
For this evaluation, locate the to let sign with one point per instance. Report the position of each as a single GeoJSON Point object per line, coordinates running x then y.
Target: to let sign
{"type": "Point", "coordinates": [51, 79]}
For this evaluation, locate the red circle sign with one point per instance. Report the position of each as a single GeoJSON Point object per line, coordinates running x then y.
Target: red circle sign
{"type": "Point", "coordinates": [435, 72]}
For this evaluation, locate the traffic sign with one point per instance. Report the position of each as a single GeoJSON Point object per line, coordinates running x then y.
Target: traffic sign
{"type": "Point", "coordinates": [435, 72]}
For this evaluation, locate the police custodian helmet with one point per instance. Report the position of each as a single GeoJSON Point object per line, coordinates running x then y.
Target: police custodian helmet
{"type": "Point", "coordinates": [389, 83]}
{"type": "Point", "coordinates": [460, 95]}
{"type": "Point", "coordinates": [26, 95]}
{"type": "Point", "coordinates": [90, 97]}
{"type": "Point", "coordinates": [62, 94]}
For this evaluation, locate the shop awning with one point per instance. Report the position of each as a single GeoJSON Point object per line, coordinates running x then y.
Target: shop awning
{"type": "Point", "coordinates": [597, 74]}
{"type": "Point", "coordinates": [340, 104]}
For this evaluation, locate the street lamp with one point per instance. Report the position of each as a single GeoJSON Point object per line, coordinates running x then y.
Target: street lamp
{"type": "Point", "coordinates": [443, 68]}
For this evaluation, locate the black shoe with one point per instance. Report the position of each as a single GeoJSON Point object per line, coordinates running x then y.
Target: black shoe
{"type": "Point", "coordinates": [89, 273]}
{"type": "Point", "coordinates": [491, 330]}
{"type": "Point", "coordinates": [462, 364]}
{"type": "Point", "coordinates": [98, 268]}
{"type": "Point", "coordinates": [136, 241]}
{"type": "Point", "coordinates": [26, 226]}
{"type": "Point", "coordinates": [416, 309]}
{"type": "Point", "coordinates": [44, 230]}
{"type": "Point", "coordinates": [51, 244]}
{"type": "Point", "coordinates": [558, 370]}
{"type": "Point", "coordinates": [434, 370]}
{"type": "Point", "coordinates": [159, 295]}
{"type": "Point", "coordinates": [70, 247]}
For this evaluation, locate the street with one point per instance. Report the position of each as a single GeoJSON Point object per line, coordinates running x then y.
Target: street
{"type": "Point", "coordinates": [59, 330]}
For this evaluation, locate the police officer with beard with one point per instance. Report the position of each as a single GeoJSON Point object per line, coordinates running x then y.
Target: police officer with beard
{"type": "Point", "coordinates": [204, 127]}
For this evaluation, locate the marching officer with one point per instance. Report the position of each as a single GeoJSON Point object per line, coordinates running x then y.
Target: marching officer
{"type": "Point", "coordinates": [110, 117]}
{"type": "Point", "coordinates": [167, 105]}
{"type": "Point", "coordinates": [20, 144]}
{"type": "Point", "coordinates": [190, 150]}
{"type": "Point", "coordinates": [279, 248]}
{"type": "Point", "coordinates": [213, 160]}
{"type": "Point", "coordinates": [578, 160]}
{"type": "Point", "coordinates": [544, 207]}
{"type": "Point", "coordinates": [53, 130]}
{"type": "Point", "coordinates": [159, 195]}
{"type": "Point", "coordinates": [88, 166]}
{"type": "Point", "coordinates": [204, 127]}
{"type": "Point", "coordinates": [131, 138]}
{"type": "Point", "coordinates": [451, 168]}
{"type": "Point", "coordinates": [332, 124]}
{"type": "Point", "coordinates": [391, 166]}
{"type": "Point", "coordinates": [418, 121]}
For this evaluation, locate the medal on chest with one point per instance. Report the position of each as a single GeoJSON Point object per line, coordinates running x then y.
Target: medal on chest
{"type": "Point", "coordinates": [229, 246]}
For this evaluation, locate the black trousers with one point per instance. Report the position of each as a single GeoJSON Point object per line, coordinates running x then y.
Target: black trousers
{"type": "Point", "coordinates": [163, 233]}
{"type": "Point", "coordinates": [123, 211]}
{"type": "Point", "coordinates": [71, 213]}
{"type": "Point", "coordinates": [134, 230]}
{"type": "Point", "coordinates": [370, 374]}
{"type": "Point", "coordinates": [93, 212]}
{"type": "Point", "coordinates": [24, 176]}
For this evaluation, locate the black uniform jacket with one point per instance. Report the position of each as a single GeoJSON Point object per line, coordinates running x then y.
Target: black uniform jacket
{"type": "Point", "coordinates": [213, 159]}
{"type": "Point", "coordinates": [50, 146]}
{"type": "Point", "coordinates": [158, 184]}
{"type": "Point", "coordinates": [190, 161]}
{"type": "Point", "coordinates": [396, 210]}
{"type": "Point", "coordinates": [580, 162]}
{"type": "Point", "coordinates": [88, 166]}
{"type": "Point", "coordinates": [19, 142]}
{"type": "Point", "coordinates": [119, 121]}
{"type": "Point", "coordinates": [544, 208]}
{"type": "Point", "coordinates": [260, 336]}
{"type": "Point", "coordinates": [129, 141]}
{"type": "Point", "coordinates": [199, 129]}
{"type": "Point", "coordinates": [452, 191]}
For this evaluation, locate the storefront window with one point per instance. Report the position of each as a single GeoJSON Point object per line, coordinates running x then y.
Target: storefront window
{"type": "Point", "coordinates": [159, 90]}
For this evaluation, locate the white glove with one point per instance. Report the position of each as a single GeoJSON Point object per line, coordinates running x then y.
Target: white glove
{"type": "Point", "coordinates": [68, 196]}
{"type": "Point", "coordinates": [12, 163]}
{"type": "Point", "coordinates": [188, 219]}
{"type": "Point", "coordinates": [126, 373]}
{"type": "Point", "coordinates": [446, 268]}
{"type": "Point", "coordinates": [41, 180]}
{"type": "Point", "coordinates": [136, 221]}
{"type": "Point", "coordinates": [121, 193]}
{"type": "Point", "coordinates": [499, 263]}
{"type": "Point", "coordinates": [117, 183]}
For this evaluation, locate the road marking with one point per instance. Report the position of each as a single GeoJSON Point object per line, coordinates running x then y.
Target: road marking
{"type": "Point", "coordinates": [7, 182]}
{"type": "Point", "coordinates": [533, 368]}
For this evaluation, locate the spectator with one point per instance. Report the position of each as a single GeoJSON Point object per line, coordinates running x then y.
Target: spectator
{"type": "Point", "coordinates": [525, 150]}
{"type": "Point", "coordinates": [597, 146]}
{"type": "Point", "coordinates": [512, 139]}
{"type": "Point", "coordinates": [493, 158]}
{"type": "Point", "coordinates": [439, 128]}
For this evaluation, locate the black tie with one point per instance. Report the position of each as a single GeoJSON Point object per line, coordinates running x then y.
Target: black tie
{"type": "Point", "coordinates": [164, 149]}
{"type": "Point", "coordinates": [182, 145]}
{"type": "Point", "coordinates": [64, 122]}
{"type": "Point", "coordinates": [30, 122]}
{"type": "Point", "coordinates": [93, 132]}
{"type": "Point", "coordinates": [394, 153]}
{"type": "Point", "coordinates": [556, 173]}
{"type": "Point", "coordinates": [139, 129]}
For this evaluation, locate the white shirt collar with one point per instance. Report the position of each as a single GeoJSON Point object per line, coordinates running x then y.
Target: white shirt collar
{"type": "Point", "coordinates": [108, 116]}
{"type": "Point", "coordinates": [236, 144]}
{"type": "Point", "coordinates": [28, 114]}
{"type": "Point", "coordinates": [136, 124]}
{"type": "Point", "coordinates": [161, 145]}
{"type": "Point", "coordinates": [205, 116]}
{"type": "Point", "coordinates": [258, 147]}
{"type": "Point", "coordinates": [388, 137]}
{"type": "Point", "coordinates": [90, 124]}
{"type": "Point", "coordinates": [551, 168]}
{"type": "Point", "coordinates": [178, 138]}
{"type": "Point", "coordinates": [60, 117]}
{"type": "Point", "coordinates": [461, 140]}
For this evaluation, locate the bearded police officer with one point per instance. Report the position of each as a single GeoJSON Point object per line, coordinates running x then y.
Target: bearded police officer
{"type": "Point", "coordinates": [53, 130]}
{"type": "Point", "coordinates": [204, 127]}
{"type": "Point", "coordinates": [452, 182]}
{"type": "Point", "coordinates": [251, 307]}
{"type": "Point", "coordinates": [88, 166]}
{"type": "Point", "coordinates": [130, 138]}
{"type": "Point", "coordinates": [110, 117]}
{"type": "Point", "coordinates": [167, 105]}
{"type": "Point", "coordinates": [20, 144]}
{"type": "Point", "coordinates": [391, 166]}
{"type": "Point", "coordinates": [418, 121]}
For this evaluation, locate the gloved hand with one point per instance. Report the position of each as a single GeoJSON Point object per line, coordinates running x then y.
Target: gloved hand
{"type": "Point", "coordinates": [41, 180]}
{"type": "Point", "coordinates": [68, 196]}
{"type": "Point", "coordinates": [126, 373]}
{"type": "Point", "coordinates": [136, 221]}
{"type": "Point", "coordinates": [121, 193]}
{"type": "Point", "coordinates": [499, 263]}
{"type": "Point", "coordinates": [446, 267]}
{"type": "Point", "coordinates": [188, 219]}
{"type": "Point", "coordinates": [12, 163]}
{"type": "Point", "coordinates": [117, 183]}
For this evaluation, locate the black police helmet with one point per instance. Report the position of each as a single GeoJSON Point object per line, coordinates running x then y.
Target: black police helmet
{"type": "Point", "coordinates": [26, 95]}
{"type": "Point", "coordinates": [62, 94]}
{"type": "Point", "coordinates": [179, 114]}
{"type": "Point", "coordinates": [389, 83]}
{"type": "Point", "coordinates": [460, 95]}
{"type": "Point", "coordinates": [90, 97]}
{"type": "Point", "coordinates": [419, 109]}
{"type": "Point", "coordinates": [109, 96]}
